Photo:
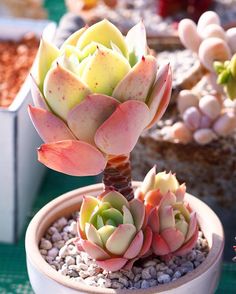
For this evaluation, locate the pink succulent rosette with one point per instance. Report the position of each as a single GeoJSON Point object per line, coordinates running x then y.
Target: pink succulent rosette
{"type": "Point", "coordinates": [112, 230]}
{"type": "Point", "coordinates": [94, 96]}
{"type": "Point", "coordinates": [174, 225]}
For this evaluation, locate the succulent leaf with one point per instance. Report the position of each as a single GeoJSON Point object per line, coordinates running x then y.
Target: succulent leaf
{"type": "Point", "coordinates": [93, 235]}
{"type": "Point", "coordinates": [116, 200]}
{"type": "Point", "coordinates": [63, 90]}
{"type": "Point", "coordinates": [47, 53]}
{"type": "Point", "coordinates": [105, 232]}
{"type": "Point", "coordinates": [138, 81]}
{"type": "Point", "coordinates": [120, 240]}
{"type": "Point", "coordinates": [88, 205]}
{"type": "Point", "coordinates": [104, 33]}
{"type": "Point", "coordinates": [104, 71]}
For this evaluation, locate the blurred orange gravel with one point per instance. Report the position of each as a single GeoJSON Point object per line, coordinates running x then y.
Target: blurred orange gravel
{"type": "Point", "coordinates": [16, 59]}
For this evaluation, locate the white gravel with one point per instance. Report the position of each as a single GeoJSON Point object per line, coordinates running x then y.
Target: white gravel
{"type": "Point", "coordinates": [63, 256]}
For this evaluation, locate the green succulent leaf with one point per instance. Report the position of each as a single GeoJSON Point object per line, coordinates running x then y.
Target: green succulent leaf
{"type": "Point", "coordinates": [223, 77]}
{"type": "Point", "coordinates": [113, 214]}
{"type": "Point", "coordinates": [105, 232]}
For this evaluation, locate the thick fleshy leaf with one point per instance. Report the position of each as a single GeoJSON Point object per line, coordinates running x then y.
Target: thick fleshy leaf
{"type": "Point", "coordinates": [137, 43]}
{"type": "Point", "coordinates": [147, 241]}
{"type": "Point", "coordinates": [63, 90]}
{"type": "Point", "coordinates": [149, 181]}
{"type": "Point", "coordinates": [73, 39]}
{"type": "Point", "coordinates": [191, 226]}
{"type": "Point", "coordinates": [37, 96]}
{"type": "Point", "coordinates": [153, 220]}
{"type": "Point", "coordinates": [138, 81]}
{"type": "Point", "coordinates": [85, 118]}
{"type": "Point", "coordinates": [105, 69]}
{"type": "Point", "coordinates": [160, 96]}
{"type": "Point", "coordinates": [90, 49]}
{"type": "Point", "coordinates": [135, 246]}
{"type": "Point", "coordinates": [180, 192]}
{"type": "Point", "coordinates": [94, 251]}
{"type": "Point", "coordinates": [49, 127]}
{"type": "Point", "coordinates": [93, 235]}
{"type": "Point", "coordinates": [47, 53]}
{"type": "Point", "coordinates": [137, 210]}
{"type": "Point", "coordinates": [166, 182]}
{"type": "Point", "coordinates": [120, 132]}
{"type": "Point", "coordinates": [103, 32]}
{"type": "Point", "coordinates": [182, 226]}
{"type": "Point", "coordinates": [116, 200]}
{"type": "Point", "coordinates": [72, 157]}
{"type": "Point", "coordinates": [88, 205]}
{"type": "Point", "coordinates": [99, 209]}
{"type": "Point", "coordinates": [153, 198]}
{"type": "Point", "coordinates": [105, 232]}
{"type": "Point", "coordinates": [120, 240]}
{"type": "Point", "coordinates": [188, 246]}
{"type": "Point", "coordinates": [166, 217]}
{"type": "Point", "coordinates": [113, 214]}
{"type": "Point", "coordinates": [159, 245]}
{"type": "Point", "coordinates": [112, 264]}
{"type": "Point", "coordinates": [173, 237]}
{"type": "Point", "coordinates": [168, 199]}
{"type": "Point", "coordinates": [127, 216]}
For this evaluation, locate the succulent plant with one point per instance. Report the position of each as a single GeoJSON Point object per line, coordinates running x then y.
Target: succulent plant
{"type": "Point", "coordinates": [94, 96]}
{"type": "Point", "coordinates": [226, 72]}
{"type": "Point", "coordinates": [112, 230]}
{"type": "Point", "coordinates": [173, 223]}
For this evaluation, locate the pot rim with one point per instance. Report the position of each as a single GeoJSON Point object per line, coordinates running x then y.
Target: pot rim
{"type": "Point", "coordinates": [35, 258]}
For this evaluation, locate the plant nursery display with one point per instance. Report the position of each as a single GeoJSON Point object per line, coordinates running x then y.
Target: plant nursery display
{"type": "Point", "coordinates": [93, 97]}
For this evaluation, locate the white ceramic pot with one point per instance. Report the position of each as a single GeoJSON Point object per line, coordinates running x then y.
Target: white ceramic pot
{"type": "Point", "coordinates": [45, 279]}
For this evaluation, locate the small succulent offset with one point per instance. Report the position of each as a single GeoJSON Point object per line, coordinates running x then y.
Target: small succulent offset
{"type": "Point", "coordinates": [174, 225]}
{"type": "Point", "coordinates": [94, 96]}
{"type": "Point", "coordinates": [226, 72]}
{"type": "Point", "coordinates": [112, 230]}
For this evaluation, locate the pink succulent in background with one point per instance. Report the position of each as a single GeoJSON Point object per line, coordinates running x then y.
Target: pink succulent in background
{"type": "Point", "coordinates": [112, 230]}
{"type": "Point", "coordinates": [94, 96]}
{"type": "Point", "coordinates": [174, 225]}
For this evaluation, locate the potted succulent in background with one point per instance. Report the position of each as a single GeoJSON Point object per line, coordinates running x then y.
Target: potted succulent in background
{"type": "Point", "coordinates": [93, 98]}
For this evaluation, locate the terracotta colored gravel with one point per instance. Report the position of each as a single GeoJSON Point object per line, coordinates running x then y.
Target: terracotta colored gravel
{"type": "Point", "coordinates": [16, 59]}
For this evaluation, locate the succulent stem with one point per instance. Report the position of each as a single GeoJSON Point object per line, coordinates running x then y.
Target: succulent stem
{"type": "Point", "coordinates": [117, 176]}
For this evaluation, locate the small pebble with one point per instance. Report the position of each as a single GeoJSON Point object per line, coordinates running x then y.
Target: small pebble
{"type": "Point", "coordinates": [53, 252]}
{"type": "Point", "coordinates": [45, 244]}
{"type": "Point", "coordinates": [145, 284]}
{"type": "Point", "coordinates": [163, 279]}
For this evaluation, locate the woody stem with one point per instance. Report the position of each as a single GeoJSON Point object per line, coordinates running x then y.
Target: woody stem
{"type": "Point", "coordinates": [117, 176]}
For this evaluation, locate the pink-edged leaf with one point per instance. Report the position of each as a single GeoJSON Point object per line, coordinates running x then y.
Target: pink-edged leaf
{"type": "Point", "coordinates": [137, 209]}
{"type": "Point", "coordinates": [120, 132]}
{"type": "Point", "coordinates": [85, 118]}
{"type": "Point", "coordinates": [153, 220]}
{"type": "Point", "coordinates": [121, 239]}
{"type": "Point", "coordinates": [160, 96]}
{"type": "Point", "coordinates": [147, 241]}
{"type": "Point", "coordinates": [149, 181]}
{"type": "Point", "coordinates": [138, 81]}
{"type": "Point", "coordinates": [139, 194]}
{"type": "Point", "coordinates": [135, 246]}
{"type": "Point", "coordinates": [112, 264]}
{"type": "Point", "coordinates": [191, 226]}
{"type": "Point", "coordinates": [168, 199]}
{"type": "Point", "coordinates": [72, 157]}
{"type": "Point", "coordinates": [137, 42]}
{"type": "Point", "coordinates": [187, 246]}
{"type": "Point", "coordinates": [153, 197]}
{"type": "Point", "coordinates": [167, 219]}
{"type": "Point", "coordinates": [180, 192]}
{"type": "Point", "coordinates": [173, 237]}
{"type": "Point", "coordinates": [159, 245]}
{"type": "Point", "coordinates": [37, 96]}
{"type": "Point", "coordinates": [93, 250]}
{"type": "Point", "coordinates": [49, 127]}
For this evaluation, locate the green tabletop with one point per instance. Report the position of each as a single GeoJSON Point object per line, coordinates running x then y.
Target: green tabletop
{"type": "Point", "coordinates": [13, 272]}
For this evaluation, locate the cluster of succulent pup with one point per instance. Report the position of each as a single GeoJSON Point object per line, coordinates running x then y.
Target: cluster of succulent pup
{"type": "Point", "coordinates": [158, 221]}
{"type": "Point", "coordinates": [205, 118]}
